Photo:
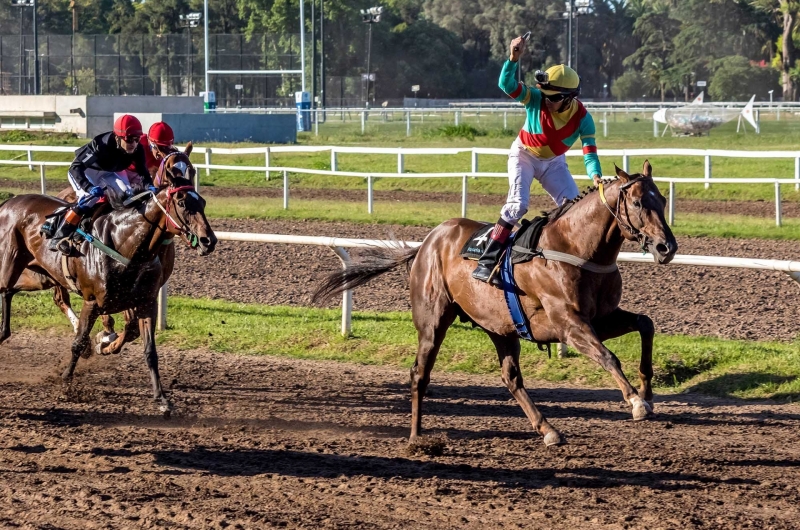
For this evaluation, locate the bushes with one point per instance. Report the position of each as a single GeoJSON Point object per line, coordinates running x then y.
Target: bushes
{"type": "Point", "coordinates": [630, 86]}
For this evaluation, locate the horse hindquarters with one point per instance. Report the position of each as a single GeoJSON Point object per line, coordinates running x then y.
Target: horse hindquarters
{"type": "Point", "coordinates": [433, 312]}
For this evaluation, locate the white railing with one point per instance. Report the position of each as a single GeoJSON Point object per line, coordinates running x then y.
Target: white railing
{"type": "Point", "coordinates": [340, 246]}
{"type": "Point", "coordinates": [401, 152]}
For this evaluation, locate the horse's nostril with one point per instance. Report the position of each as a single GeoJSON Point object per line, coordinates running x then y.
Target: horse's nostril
{"type": "Point", "coordinates": [205, 241]}
{"type": "Point", "coordinates": [661, 248]}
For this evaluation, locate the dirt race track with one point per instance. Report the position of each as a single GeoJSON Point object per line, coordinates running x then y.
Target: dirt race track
{"type": "Point", "coordinates": [259, 442]}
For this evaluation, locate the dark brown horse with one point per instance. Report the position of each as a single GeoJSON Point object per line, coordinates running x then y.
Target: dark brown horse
{"type": "Point", "coordinates": [106, 286]}
{"type": "Point", "coordinates": [563, 302]}
{"type": "Point", "coordinates": [176, 165]}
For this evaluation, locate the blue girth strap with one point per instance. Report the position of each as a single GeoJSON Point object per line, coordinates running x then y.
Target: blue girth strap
{"type": "Point", "coordinates": [510, 293]}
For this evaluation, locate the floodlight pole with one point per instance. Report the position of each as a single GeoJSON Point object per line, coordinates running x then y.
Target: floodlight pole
{"type": "Point", "coordinates": [302, 46]}
{"type": "Point", "coordinates": [205, 41]}
{"type": "Point", "coordinates": [37, 82]}
{"type": "Point", "coordinates": [569, 32]}
{"type": "Point", "coordinates": [369, 54]}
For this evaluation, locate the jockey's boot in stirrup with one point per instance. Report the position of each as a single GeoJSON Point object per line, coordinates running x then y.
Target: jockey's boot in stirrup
{"type": "Point", "coordinates": [67, 228]}
{"type": "Point", "coordinates": [490, 257]}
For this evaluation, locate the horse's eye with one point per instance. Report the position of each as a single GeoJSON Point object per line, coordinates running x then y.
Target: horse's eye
{"type": "Point", "coordinates": [637, 203]}
{"type": "Point", "coordinates": [182, 203]}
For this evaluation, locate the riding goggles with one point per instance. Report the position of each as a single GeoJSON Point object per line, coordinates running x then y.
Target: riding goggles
{"type": "Point", "coordinates": [131, 139]}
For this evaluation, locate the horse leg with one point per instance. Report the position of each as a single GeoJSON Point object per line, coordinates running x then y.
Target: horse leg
{"type": "Point", "coordinates": [5, 303]}
{"type": "Point", "coordinates": [431, 323]}
{"type": "Point", "coordinates": [620, 322]}
{"type": "Point", "coordinates": [82, 341]}
{"type": "Point", "coordinates": [508, 354]}
{"type": "Point", "coordinates": [581, 336]}
{"type": "Point", "coordinates": [147, 327]}
{"type": "Point", "coordinates": [61, 299]}
{"type": "Point", "coordinates": [116, 342]}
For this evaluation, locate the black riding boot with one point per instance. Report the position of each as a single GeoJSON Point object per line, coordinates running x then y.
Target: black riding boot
{"type": "Point", "coordinates": [490, 257]}
{"type": "Point", "coordinates": [64, 231]}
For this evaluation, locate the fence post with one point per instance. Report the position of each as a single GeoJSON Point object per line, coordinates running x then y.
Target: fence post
{"type": "Point", "coordinates": [464, 196]}
{"type": "Point", "coordinates": [605, 125]}
{"type": "Point", "coordinates": [505, 119]}
{"type": "Point", "coordinates": [408, 123]}
{"type": "Point", "coordinates": [316, 122]}
{"type": "Point", "coordinates": [655, 129]}
{"type": "Point", "coordinates": [30, 159]}
{"type": "Point", "coordinates": [285, 190]}
{"type": "Point", "coordinates": [347, 296]}
{"type": "Point", "coordinates": [707, 170]}
{"type": "Point", "coordinates": [363, 121]}
{"type": "Point", "coordinates": [369, 195]}
{"type": "Point", "coordinates": [474, 162]}
{"type": "Point", "coordinates": [456, 118]}
{"type": "Point", "coordinates": [267, 162]}
{"type": "Point", "coordinates": [758, 121]}
{"type": "Point", "coordinates": [334, 165]}
{"type": "Point", "coordinates": [208, 162]}
{"type": "Point", "coordinates": [625, 162]}
{"type": "Point", "coordinates": [562, 350]}
{"type": "Point", "coordinates": [671, 203]}
{"type": "Point", "coordinates": [777, 203]}
{"type": "Point", "coordinates": [161, 324]}
{"type": "Point", "coordinates": [401, 167]}
{"type": "Point", "coordinates": [44, 181]}
{"type": "Point", "coordinates": [797, 173]}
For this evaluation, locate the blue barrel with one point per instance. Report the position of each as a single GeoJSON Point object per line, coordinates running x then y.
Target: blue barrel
{"type": "Point", "coordinates": [303, 104]}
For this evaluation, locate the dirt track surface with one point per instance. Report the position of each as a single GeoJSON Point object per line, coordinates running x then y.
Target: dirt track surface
{"type": "Point", "coordinates": [731, 303]}
{"type": "Point", "coordinates": [262, 442]}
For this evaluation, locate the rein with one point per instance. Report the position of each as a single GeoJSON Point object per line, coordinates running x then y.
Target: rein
{"type": "Point", "coordinates": [635, 232]}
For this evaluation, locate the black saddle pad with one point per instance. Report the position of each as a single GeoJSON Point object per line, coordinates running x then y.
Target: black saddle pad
{"type": "Point", "coordinates": [526, 241]}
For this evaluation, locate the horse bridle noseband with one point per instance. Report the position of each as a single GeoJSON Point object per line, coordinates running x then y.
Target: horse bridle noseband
{"type": "Point", "coordinates": [641, 237]}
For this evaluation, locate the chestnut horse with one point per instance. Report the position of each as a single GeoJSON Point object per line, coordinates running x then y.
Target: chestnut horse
{"type": "Point", "coordinates": [563, 302]}
{"type": "Point", "coordinates": [176, 164]}
{"type": "Point", "coordinates": [137, 233]}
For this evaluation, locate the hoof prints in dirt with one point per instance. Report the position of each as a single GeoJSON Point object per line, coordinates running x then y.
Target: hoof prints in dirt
{"type": "Point", "coordinates": [679, 299]}
{"type": "Point", "coordinates": [262, 442]}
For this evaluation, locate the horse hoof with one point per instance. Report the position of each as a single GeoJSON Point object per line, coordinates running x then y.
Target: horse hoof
{"type": "Point", "coordinates": [642, 411]}
{"type": "Point", "coordinates": [554, 438]}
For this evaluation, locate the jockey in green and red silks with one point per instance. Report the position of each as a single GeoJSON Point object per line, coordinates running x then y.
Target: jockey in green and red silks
{"type": "Point", "coordinates": [555, 119]}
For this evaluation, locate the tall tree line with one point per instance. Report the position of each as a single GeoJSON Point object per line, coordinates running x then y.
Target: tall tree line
{"type": "Point", "coordinates": [627, 49]}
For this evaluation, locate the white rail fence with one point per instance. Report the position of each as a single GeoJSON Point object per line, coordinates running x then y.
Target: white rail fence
{"type": "Point", "coordinates": [475, 152]}
{"type": "Point", "coordinates": [340, 246]}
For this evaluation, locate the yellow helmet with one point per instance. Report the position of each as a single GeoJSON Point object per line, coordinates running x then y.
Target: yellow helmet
{"type": "Point", "coordinates": [558, 79]}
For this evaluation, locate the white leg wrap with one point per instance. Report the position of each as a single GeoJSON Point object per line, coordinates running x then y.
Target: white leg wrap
{"type": "Point", "coordinates": [73, 319]}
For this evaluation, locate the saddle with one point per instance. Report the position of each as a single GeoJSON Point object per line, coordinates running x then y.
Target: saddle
{"type": "Point", "coordinates": [522, 246]}
{"type": "Point", "coordinates": [525, 241]}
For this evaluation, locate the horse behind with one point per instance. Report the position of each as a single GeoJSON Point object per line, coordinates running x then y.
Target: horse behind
{"type": "Point", "coordinates": [563, 302]}
{"type": "Point", "coordinates": [106, 286]}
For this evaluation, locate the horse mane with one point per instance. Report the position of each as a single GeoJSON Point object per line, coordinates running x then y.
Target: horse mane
{"type": "Point", "coordinates": [559, 211]}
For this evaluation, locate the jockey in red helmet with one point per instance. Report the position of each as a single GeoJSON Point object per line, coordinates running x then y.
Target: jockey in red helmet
{"type": "Point", "coordinates": [158, 143]}
{"type": "Point", "coordinates": [110, 160]}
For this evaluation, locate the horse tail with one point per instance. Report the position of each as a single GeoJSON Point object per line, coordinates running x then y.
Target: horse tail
{"type": "Point", "coordinates": [371, 264]}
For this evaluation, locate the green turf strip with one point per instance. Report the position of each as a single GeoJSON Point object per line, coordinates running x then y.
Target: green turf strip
{"type": "Point", "coordinates": [715, 366]}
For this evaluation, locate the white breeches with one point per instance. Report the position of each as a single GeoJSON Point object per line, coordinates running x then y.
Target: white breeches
{"type": "Point", "coordinates": [119, 181]}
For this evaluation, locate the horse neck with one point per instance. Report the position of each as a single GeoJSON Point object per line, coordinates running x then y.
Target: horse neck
{"type": "Point", "coordinates": [588, 229]}
{"type": "Point", "coordinates": [136, 234]}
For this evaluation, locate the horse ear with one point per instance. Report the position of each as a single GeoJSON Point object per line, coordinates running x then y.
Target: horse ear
{"type": "Point", "coordinates": [188, 149]}
{"type": "Point", "coordinates": [647, 169]}
{"type": "Point", "coordinates": [624, 177]}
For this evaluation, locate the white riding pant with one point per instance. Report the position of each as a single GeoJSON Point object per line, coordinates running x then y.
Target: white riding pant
{"type": "Point", "coordinates": [523, 168]}
{"type": "Point", "coordinates": [119, 181]}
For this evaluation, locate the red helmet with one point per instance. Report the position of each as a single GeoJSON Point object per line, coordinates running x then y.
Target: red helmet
{"type": "Point", "coordinates": [161, 134]}
{"type": "Point", "coordinates": [127, 125]}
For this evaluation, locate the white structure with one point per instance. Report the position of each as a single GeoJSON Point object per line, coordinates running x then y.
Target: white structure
{"type": "Point", "coordinates": [698, 118]}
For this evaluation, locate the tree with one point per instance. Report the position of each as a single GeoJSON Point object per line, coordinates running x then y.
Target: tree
{"type": "Point", "coordinates": [786, 12]}
{"type": "Point", "coordinates": [655, 30]}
